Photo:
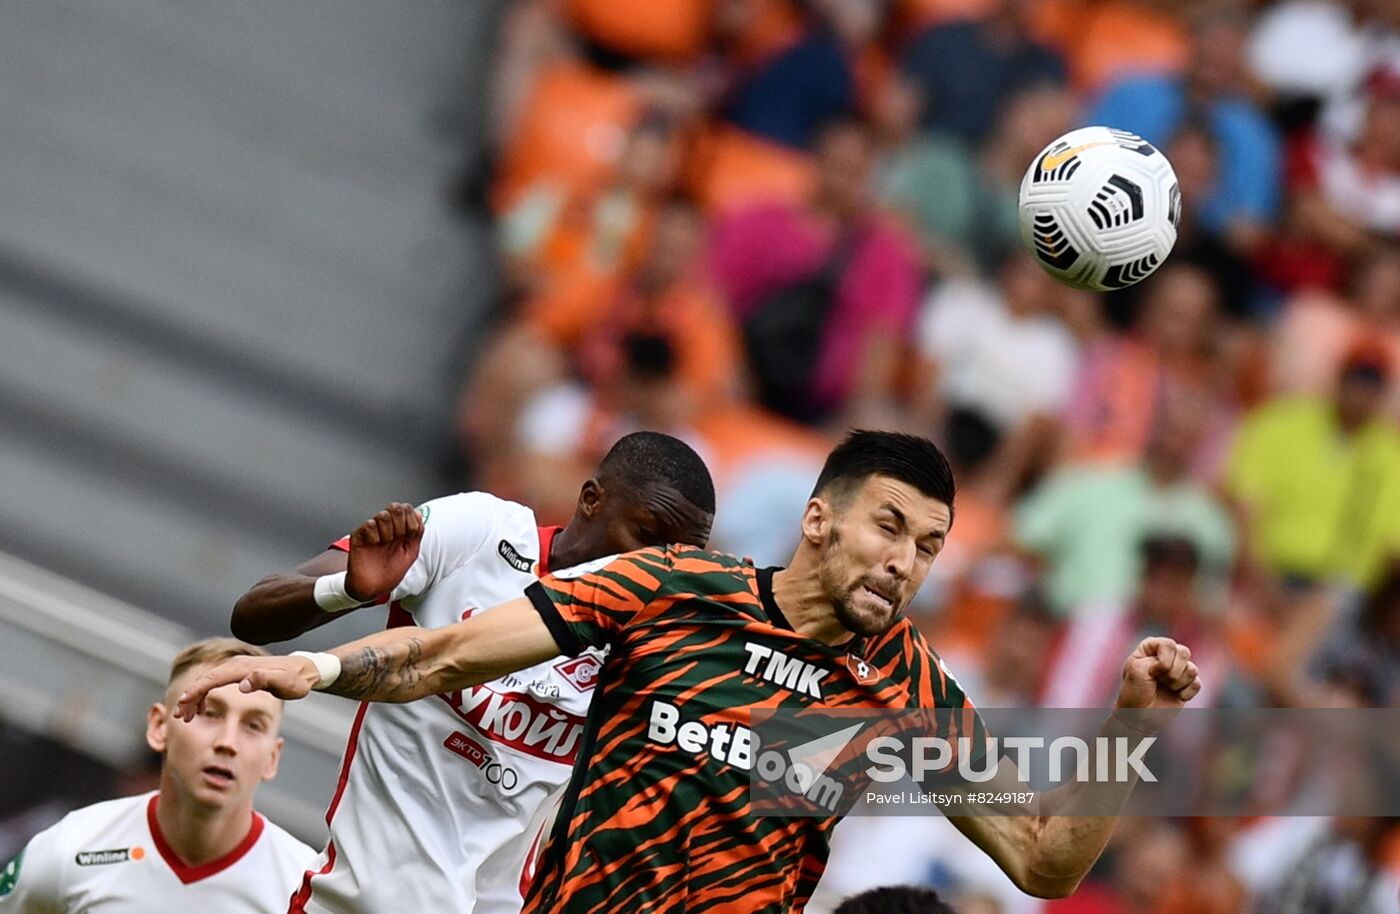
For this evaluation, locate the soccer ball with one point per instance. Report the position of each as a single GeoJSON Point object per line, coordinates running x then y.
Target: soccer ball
{"type": "Point", "coordinates": [1099, 208]}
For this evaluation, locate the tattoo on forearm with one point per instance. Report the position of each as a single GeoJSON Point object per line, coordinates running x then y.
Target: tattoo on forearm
{"type": "Point", "coordinates": [376, 672]}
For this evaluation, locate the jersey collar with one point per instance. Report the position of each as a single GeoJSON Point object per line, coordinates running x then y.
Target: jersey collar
{"type": "Point", "coordinates": [765, 596]}
{"type": "Point", "coordinates": [547, 535]}
{"type": "Point", "coordinates": [764, 576]}
{"type": "Point", "coordinates": [182, 870]}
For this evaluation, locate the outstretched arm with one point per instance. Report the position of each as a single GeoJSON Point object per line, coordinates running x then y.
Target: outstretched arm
{"type": "Point", "coordinates": [398, 664]}
{"type": "Point", "coordinates": [284, 605]}
{"type": "Point", "coordinates": [1049, 848]}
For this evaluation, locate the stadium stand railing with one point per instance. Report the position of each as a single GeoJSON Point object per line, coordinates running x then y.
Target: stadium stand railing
{"type": "Point", "coordinates": [82, 668]}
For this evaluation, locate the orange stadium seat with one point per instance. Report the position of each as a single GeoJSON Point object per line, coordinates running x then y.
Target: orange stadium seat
{"type": "Point", "coordinates": [731, 168]}
{"type": "Point", "coordinates": [700, 329]}
{"type": "Point", "coordinates": [1390, 850]}
{"type": "Point", "coordinates": [919, 14]}
{"type": "Point", "coordinates": [735, 434]}
{"type": "Point", "coordinates": [770, 26]}
{"type": "Point", "coordinates": [573, 128]}
{"type": "Point", "coordinates": [1106, 39]}
{"type": "Point", "coordinates": [1122, 420]}
{"type": "Point", "coordinates": [674, 30]}
{"type": "Point", "coordinates": [563, 312]}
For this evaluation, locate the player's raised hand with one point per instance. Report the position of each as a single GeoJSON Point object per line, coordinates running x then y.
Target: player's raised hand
{"type": "Point", "coordinates": [382, 549]}
{"type": "Point", "coordinates": [1159, 675]}
{"type": "Point", "coordinates": [285, 677]}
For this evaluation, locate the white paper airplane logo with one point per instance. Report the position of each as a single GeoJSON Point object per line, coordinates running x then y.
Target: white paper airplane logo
{"type": "Point", "coordinates": [811, 759]}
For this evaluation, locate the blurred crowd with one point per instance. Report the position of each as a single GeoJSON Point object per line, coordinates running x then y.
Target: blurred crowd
{"type": "Point", "coordinates": [756, 223]}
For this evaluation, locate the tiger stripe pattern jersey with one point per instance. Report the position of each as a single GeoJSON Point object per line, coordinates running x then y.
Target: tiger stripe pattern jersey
{"type": "Point", "coordinates": [657, 814]}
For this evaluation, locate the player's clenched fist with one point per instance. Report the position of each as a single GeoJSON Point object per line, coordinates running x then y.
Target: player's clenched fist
{"type": "Point", "coordinates": [382, 549]}
{"type": "Point", "coordinates": [1159, 675]}
{"type": "Point", "coordinates": [285, 677]}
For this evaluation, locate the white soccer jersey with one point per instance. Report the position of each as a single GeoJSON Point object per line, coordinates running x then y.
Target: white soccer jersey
{"type": "Point", "coordinates": [435, 796]}
{"type": "Point", "coordinates": [111, 858]}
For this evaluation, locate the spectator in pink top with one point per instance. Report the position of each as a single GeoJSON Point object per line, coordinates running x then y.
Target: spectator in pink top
{"type": "Point", "coordinates": [839, 277]}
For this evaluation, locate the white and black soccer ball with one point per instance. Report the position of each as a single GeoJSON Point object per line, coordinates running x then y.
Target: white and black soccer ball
{"type": "Point", "coordinates": [1099, 208]}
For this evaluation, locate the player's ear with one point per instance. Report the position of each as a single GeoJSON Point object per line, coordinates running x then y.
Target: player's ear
{"type": "Point", "coordinates": [590, 497]}
{"type": "Point", "coordinates": [270, 769]}
{"type": "Point", "coordinates": [157, 720]}
{"type": "Point", "coordinates": [816, 521]}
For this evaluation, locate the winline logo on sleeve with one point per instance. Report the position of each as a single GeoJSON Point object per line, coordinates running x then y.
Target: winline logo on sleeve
{"type": "Point", "coordinates": [513, 558]}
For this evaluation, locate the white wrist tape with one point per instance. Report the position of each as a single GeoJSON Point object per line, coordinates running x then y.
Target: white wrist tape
{"type": "Point", "coordinates": [330, 594]}
{"type": "Point", "coordinates": [328, 665]}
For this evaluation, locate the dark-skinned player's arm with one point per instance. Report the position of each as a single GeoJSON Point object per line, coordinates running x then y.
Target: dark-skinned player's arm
{"type": "Point", "coordinates": [1049, 847]}
{"type": "Point", "coordinates": [287, 604]}
{"type": "Point", "coordinates": [395, 665]}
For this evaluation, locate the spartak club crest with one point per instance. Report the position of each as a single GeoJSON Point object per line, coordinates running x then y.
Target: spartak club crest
{"type": "Point", "coordinates": [581, 672]}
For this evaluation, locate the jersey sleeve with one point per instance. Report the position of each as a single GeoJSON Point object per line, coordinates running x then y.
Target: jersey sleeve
{"type": "Point", "coordinates": [593, 604]}
{"type": "Point", "coordinates": [455, 528]}
{"type": "Point", "coordinates": [934, 688]}
{"type": "Point", "coordinates": [31, 882]}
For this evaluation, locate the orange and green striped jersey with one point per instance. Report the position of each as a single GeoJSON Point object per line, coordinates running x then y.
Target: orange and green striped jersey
{"type": "Point", "coordinates": [656, 816]}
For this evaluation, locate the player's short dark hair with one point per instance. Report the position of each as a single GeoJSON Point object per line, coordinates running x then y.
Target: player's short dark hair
{"type": "Point", "coordinates": [902, 899]}
{"type": "Point", "coordinates": [643, 457]}
{"type": "Point", "coordinates": [907, 458]}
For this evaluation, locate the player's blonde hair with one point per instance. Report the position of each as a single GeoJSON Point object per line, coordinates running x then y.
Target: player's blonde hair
{"type": "Point", "coordinates": [210, 651]}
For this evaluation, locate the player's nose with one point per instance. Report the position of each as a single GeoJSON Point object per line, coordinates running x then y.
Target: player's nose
{"type": "Point", "coordinates": [899, 561]}
{"type": "Point", "coordinates": [226, 739]}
